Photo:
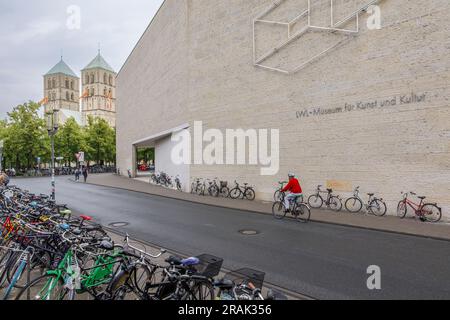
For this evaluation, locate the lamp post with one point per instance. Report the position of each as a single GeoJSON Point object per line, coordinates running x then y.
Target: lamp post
{"type": "Point", "coordinates": [52, 128]}
{"type": "Point", "coordinates": [1, 155]}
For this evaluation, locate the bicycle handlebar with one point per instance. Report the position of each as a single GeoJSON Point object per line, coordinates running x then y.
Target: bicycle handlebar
{"type": "Point", "coordinates": [127, 241]}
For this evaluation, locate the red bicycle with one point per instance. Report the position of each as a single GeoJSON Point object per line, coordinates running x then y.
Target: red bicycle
{"type": "Point", "coordinates": [427, 212]}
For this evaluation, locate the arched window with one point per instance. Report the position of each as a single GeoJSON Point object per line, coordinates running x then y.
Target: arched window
{"type": "Point", "coordinates": [92, 92]}
{"type": "Point", "coordinates": [49, 84]}
{"type": "Point", "coordinates": [67, 95]}
{"type": "Point", "coordinates": [71, 85]}
{"type": "Point", "coordinates": [87, 79]}
{"type": "Point", "coordinates": [110, 80]}
{"type": "Point", "coordinates": [92, 78]}
{"type": "Point", "coordinates": [105, 78]}
{"type": "Point", "coordinates": [72, 97]}
{"type": "Point", "coordinates": [67, 84]}
{"type": "Point", "coordinates": [105, 92]}
{"type": "Point", "coordinates": [53, 83]}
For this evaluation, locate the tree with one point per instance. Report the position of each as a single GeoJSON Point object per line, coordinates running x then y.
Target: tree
{"type": "Point", "coordinates": [69, 141]}
{"type": "Point", "coordinates": [25, 136]}
{"type": "Point", "coordinates": [100, 141]}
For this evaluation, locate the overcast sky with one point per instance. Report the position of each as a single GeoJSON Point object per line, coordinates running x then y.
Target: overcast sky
{"type": "Point", "coordinates": [33, 33]}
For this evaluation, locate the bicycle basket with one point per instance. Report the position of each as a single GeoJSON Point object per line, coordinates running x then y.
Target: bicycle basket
{"type": "Point", "coordinates": [209, 266]}
{"type": "Point", "coordinates": [245, 276]}
{"type": "Point", "coordinates": [223, 184]}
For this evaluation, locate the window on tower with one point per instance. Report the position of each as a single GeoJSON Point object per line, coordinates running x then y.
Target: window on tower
{"type": "Point", "coordinates": [92, 78]}
{"type": "Point", "coordinates": [87, 79]}
{"type": "Point", "coordinates": [67, 95]}
{"type": "Point", "coordinates": [49, 84]}
{"type": "Point", "coordinates": [53, 83]}
{"type": "Point", "coordinates": [72, 97]}
{"type": "Point", "coordinates": [67, 85]}
{"type": "Point", "coordinates": [110, 80]}
{"type": "Point", "coordinates": [71, 85]}
{"type": "Point", "coordinates": [105, 78]}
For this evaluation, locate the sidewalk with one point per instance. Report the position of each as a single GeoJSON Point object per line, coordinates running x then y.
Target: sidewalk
{"type": "Point", "coordinates": [389, 223]}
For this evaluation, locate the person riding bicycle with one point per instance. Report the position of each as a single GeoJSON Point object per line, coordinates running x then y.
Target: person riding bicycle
{"type": "Point", "coordinates": [294, 189]}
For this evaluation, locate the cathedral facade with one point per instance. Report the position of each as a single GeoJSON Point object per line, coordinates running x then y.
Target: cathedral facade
{"type": "Point", "coordinates": [96, 98]}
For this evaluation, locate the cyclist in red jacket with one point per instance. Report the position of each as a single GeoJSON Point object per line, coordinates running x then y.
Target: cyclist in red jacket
{"type": "Point", "coordinates": [294, 189]}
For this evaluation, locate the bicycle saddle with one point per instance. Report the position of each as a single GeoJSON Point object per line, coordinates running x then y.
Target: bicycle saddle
{"type": "Point", "coordinates": [190, 262]}
{"type": "Point", "coordinates": [422, 198]}
{"type": "Point", "coordinates": [224, 284]}
{"type": "Point", "coordinates": [371, 194]}
{"type": "Point", "coordinates": [106, 245]}
{"type": "Point", "coordinates": [176, 261]}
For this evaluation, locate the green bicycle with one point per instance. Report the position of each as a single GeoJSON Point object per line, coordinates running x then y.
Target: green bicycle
{"type": "Point", "coordinates": [70, 278]}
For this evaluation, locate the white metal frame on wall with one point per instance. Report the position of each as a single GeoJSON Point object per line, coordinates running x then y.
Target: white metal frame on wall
{"type": "Point", "coordinates": [334, 27]}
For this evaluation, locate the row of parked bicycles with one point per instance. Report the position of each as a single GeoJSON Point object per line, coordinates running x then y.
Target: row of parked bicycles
{"type": "Point", "coordinates": [217, 188]}
{"type": "Point", "coordinates": [46, 253]}
{"type": "Point", "coordinates": [67, 171]}
{"type": "Point", "coordinates": [164, 180]}
{"type": "Point", "coordinates": [325, 198]}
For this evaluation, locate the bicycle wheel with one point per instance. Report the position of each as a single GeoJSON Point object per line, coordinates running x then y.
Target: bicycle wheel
{"type": "Point", "coordinates": [278, 210]}
{"type": "Point", "coordinates": [353, 205]}
{"type": "Point", "coordinates": [277, 195]}
{"type": "Point", "coordinates": [431, 213]}
{"type": "Point", "coordinates": [335, 204]}
{"type": "Point", "coordinates": [200, 291]}
{"type": "Point", "coordinates": [47, 287]}
{"type": "Point", "coordinates": [378, 208]}
{"type": "Point", "coordinates": [213, 191]}
{"type": "Point", "coordinates": [250, 194]}
{"type": "Point", "coordinates": [302, 213]}
{"type": "Point", "coordinates": [225, 192]}
{"type": "Point", "coordinates": [315, 201]}
{"type": "Point", "coordinates": [402, 209]}
{"type": "Point", "coordinates": [236, 193]}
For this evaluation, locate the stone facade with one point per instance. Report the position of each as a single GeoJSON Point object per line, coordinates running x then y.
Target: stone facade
{"type": "Point", "coordinates": [374, 112]}
{"type": "Point", "coordinates": [99, 94]}
{"type": "Point", "coordinates": [62, 92]}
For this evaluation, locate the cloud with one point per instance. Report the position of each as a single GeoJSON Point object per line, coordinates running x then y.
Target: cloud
{"type": "Point", "coordinates": [33, 34]}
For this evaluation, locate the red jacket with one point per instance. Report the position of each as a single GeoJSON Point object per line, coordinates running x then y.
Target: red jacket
{"type": "Point", "coordinates": [293, 186]}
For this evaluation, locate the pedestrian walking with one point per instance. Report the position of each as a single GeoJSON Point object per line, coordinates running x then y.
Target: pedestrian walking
{"type": "Point", "coordinates": [77, 174]}
{"type": "Point", "coordinates": [85, 174]}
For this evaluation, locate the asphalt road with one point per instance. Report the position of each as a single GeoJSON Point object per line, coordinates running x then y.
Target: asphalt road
{"type": "Point", "coordinates": [323, 261]}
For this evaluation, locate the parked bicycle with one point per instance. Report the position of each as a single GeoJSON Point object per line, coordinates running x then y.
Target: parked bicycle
{"type": "Point", "coordinates": [427, 212]}
{"type": "Point", "coordinates": [375, 206]}
{"type": "Point", "coordinates": [245, 192]}
{"type": "Point", "coordinates": [331, 201]}
{"type": "Point", "coordinates": [298, 209]}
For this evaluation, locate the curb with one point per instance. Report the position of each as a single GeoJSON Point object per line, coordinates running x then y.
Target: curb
{"type": "Point", "coordinates": [266, 213]}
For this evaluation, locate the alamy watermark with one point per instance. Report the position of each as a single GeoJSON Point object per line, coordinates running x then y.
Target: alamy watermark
{"type": "Point", "coordinates": [73, 21]}
{"type": "Point", "coordinates": [374, 280]}
{"type": "Point", "coordinates": [254, 147]}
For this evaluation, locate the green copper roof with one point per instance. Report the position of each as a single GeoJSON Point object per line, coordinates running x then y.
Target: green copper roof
{"type": "Point", "coordinates": [62, 67]}
{"type": "Point", "coordinates": [99, 62]}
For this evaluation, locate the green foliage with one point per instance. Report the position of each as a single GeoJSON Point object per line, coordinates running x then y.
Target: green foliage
{"type": "Point", "coordinates": [100, 141]}
{"type": "Point", "coordinates": [146, 155]}
{"type": "Point", "coordinates": [25, 138]}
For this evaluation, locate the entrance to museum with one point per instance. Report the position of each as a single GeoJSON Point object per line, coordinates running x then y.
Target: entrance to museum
{"type": "Point", "coordinates": [154, 155]}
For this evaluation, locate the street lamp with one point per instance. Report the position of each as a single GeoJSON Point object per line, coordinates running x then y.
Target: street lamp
{"type": "Point", "coordinates": [52, 128]}
{"type": "Point", "coordinates": [1, 154]}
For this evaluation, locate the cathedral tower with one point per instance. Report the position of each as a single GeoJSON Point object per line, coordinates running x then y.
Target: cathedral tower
{"type": "Point", "coordinates": [99, 91]}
